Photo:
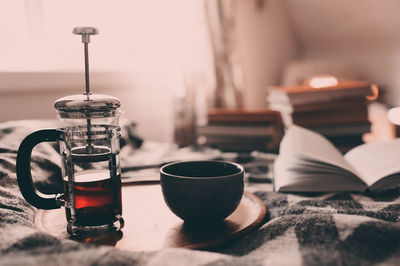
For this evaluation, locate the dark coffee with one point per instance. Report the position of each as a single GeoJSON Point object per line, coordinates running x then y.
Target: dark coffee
{"type": "Point", "coordinates": [97, 198]}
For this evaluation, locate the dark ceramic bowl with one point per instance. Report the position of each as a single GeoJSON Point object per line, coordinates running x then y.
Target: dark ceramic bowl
{"type": "Point", "coordinates": [202, 191]}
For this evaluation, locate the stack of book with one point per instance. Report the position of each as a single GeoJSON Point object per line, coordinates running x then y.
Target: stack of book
{"type": "Point", "coordinates": [242, 130]}
{"type": "Point", "coordinates": [340, 112]}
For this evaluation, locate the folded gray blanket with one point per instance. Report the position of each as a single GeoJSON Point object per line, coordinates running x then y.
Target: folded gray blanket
{"type": "Point", "coordinates": [334, 229]}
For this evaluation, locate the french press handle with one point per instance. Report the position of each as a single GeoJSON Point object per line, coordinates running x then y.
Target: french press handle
{"type": "Point", "coordinates": [24, 176]}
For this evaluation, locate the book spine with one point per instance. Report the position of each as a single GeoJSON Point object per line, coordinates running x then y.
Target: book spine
{"type": "Point", "coordinates": [317, 96]}
{"type": "Point", "coordinates": [359, 103]}
{"type": "Point", "coordinates": [342, 130]}
{"type": "Point", "coordinates": [331, 117]}
{"type": "Point", "coordinates": [270, 117]}
{"type": "Point", "coordinates": [267, 136]}
{"type": "Point", "coordinates": [232, 130]}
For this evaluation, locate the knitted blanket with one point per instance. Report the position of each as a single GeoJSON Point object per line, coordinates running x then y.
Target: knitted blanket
{"type": "Point", "coordinates": [334, 229]}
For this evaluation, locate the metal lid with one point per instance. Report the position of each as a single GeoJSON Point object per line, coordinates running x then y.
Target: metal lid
{"type": "Point", "coordinates": [87, 106]}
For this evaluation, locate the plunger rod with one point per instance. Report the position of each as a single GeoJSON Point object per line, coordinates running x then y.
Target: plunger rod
{"type": "Point", "coordinates": [87, 69]}
{"type": "Point", "coordinates": [87, 87]}
{"type": "Point", "coordinates": [86, 32]}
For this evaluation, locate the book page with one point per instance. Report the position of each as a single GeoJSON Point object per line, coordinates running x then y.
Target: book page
{"type": "Point", "coordinates": [314, 146]}
{"type": "Point", "coordinates": [373, 161]}
{"type": "Point", "coordinates": [295, 175]}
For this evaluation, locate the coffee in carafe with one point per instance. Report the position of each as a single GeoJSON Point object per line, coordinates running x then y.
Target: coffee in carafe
{"type": "Point", "coordinates": [97, 200]}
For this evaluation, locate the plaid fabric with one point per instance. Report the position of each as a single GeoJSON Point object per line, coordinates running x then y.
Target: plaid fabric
{"type": "Point", "coordinates": [324, 229]}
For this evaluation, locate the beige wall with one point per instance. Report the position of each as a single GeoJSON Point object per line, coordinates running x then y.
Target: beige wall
{"type": "Point", "coordinates": [360, 38]}
{"type": "Point", "coordinates": [150, 44]}
{"type": "Point", "coordinates": [140, 56]}
{"type": "Point", "coordinates": [362, 35]}
{"type": "Point", "coordinates": [31, 95]}
{"type": "Point", "coordinates": [153, 48]}
{"type": "Point", "coordinates": [266, 44]}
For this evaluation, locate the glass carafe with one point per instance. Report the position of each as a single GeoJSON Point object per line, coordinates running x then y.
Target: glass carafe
{"type": "Point", "coordinates": [88, 136]}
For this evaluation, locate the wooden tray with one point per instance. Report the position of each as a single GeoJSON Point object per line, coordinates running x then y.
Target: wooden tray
{"type": "Point", "coordinates": [150, 225]}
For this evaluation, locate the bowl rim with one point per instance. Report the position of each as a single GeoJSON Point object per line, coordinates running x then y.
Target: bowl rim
{"type": "Point", "coordinates": [241, 172]}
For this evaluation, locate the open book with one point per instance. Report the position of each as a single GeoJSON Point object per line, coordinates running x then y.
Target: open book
{"type": "Point", "coordinates": [308, 162]}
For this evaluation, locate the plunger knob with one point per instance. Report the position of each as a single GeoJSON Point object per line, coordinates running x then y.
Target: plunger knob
{"type": "Point", "coordinates": [85, 32]}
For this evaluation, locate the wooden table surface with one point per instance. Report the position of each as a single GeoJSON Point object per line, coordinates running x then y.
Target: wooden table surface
{"type": "Point", "coordinates": [150, 225]}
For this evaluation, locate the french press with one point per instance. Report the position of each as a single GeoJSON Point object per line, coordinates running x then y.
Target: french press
{"type": "Point", "coordinates": [88, 138]}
